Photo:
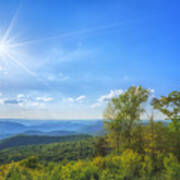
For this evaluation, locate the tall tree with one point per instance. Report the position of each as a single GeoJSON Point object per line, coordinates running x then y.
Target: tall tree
{"type": "Point", "coordinates": [101, 147]}
{"type": "Point", "coordinates": [122, 113]}
{"type": "Point", "coordinates": [170, 107]}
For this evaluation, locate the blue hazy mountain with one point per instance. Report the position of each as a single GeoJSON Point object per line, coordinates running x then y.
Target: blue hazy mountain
{"type": "Point", "coordinates": [50, 133]}
{"type": "Point", "coordinates": [11, 127]}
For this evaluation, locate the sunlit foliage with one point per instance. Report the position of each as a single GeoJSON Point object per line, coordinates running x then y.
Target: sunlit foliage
{"type": "Point", "coordinates": [130, 150]}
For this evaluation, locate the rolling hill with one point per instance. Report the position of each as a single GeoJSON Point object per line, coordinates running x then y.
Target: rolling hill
{"type": "Point", "coordinates": [24, 140]}
{"type": "Point", "coordinates": [8, 128]}
{"type": "Point", "coordinates": [68, 148]}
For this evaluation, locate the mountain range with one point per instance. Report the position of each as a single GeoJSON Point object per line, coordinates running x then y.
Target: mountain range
{"type": "Point", "coordinates": [12, 127]}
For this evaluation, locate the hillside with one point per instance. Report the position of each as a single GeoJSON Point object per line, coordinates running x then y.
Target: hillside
{"type": "Point", "coordinates": [8, 128]}
{"type": "Point", "coordinates": [81, 147]}
{"type": "Point", "coordinates": [94, 129]}
{"type": "Point", "coordinates": [11, 127]}
{"type": "Point", "coordinates": [24, 140]}
{"type": "Point", "coordinates": [50, 133]}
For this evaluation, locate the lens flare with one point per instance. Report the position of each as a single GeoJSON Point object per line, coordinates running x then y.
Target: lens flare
{"type": "Point", "coordinates": [3, 49]}
{"type": "Point", "coordinates": [10, 53]}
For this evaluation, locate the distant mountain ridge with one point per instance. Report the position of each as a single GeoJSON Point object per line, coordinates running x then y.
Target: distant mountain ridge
{"type": "Point", "coordinates": [24, 140]}
{"type": "Point", "coordinates": [9, 128]}
{"type": "Point", "coordinates": [50, 133]}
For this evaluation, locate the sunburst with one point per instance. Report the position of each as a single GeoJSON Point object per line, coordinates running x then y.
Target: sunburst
{"type": "Point", "coordinates": [3, 49]}
{"type": "Point", "coordinates": [11, 48]}
{"type": "Point", "coordinates": [10, 53]}
{"type": "Point", "coordinates": [7, 46]}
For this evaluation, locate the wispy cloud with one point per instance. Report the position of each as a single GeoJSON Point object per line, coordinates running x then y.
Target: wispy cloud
{"type": "Point", "coordinates": [12, 101]}
{"type": "Point", "coordinates": [44, 99]}
{"type": "Point", "coordinates": [56, 77]}
{"type": "Point", "coordinates": [105, 98]}
{"type": "Point", "coordinates": [78, 99]}
{"type": "Point", "coordinates": [152, 91]}
{"type": "Point", "coordinates": [25, 101]}
{"type": "Point", "coordinates": [74, 33]}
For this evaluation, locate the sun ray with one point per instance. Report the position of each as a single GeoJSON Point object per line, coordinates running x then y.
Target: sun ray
{"type": "Point", "coordinates": [9, 45]}
{"type": "Point", "coordinates": [68, 34]}
{"type": "Point", "coordinates": [21, 65]}
{"type": "Point", "coordinates": [10, 27]}
{"type": "Point", "coordinates": [7, 48]}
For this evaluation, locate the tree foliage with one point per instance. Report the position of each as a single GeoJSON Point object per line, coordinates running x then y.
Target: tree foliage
{"type": "Point", "coordinates": [170, 107]}
{"type": "Point", "coordinates": [123, 113]}
{"type": "Point", "coordinates": [130, 150]}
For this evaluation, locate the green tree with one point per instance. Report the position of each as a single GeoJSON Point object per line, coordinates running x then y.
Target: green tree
{"type": "Point", "coordinates": [172, 168]}
{"type": "Point", "coordinates": [170, 107]}
{"type": "Point", "coordinates": [137, 140]}
{"type": "Point", "coordinates": [101, 147]}
{"type": "Point", "coordinates": [123, 113]}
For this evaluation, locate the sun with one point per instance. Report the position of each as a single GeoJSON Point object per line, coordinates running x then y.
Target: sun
{"type": "Point", "coordinates": [12, 52]}
{"type": "Point", "coordinates": [3, 48]}
{"type": "Point", "coordinates": [9, 52]}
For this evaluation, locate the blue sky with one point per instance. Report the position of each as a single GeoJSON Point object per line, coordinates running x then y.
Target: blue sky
{"type": "Point", "coordinates": [65, 59]}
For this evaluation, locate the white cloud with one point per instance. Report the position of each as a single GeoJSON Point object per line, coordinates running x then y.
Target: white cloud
{"type": "Point", "coordinates": [44, 99]}
{"type": "Point", "coordinates": [105, 98]}
{"type": "Point", "coordinates": [77, 99]}
{"type": "Point", "coordinates": [70, 99]}
{"type": "Point", "coordinates": [36, 104]}
{"type": "Point", "coordinates": [95, 105]}
{"type": "Point", "coordinates": [11, 101]}
{"type": "Point", "coordinates": [25, 102]}
{"type": "Point", "coordinates": [20, 96]}
{"type": "Point", "coordinates": [152, 91]}
{"type": "Point", "coordinates": [2, 101]}
{"type": "Point", "coordinates": [80, 98]}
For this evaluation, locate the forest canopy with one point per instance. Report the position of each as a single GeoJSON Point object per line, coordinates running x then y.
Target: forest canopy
{"type": "Point", "coordinates": [128, 150]}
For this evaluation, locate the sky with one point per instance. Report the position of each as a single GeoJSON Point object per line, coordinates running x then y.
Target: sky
{"type": "Point", "coordinates": [65, 59]}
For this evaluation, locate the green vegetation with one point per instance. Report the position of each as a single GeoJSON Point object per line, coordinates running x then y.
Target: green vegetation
{"type": "Point", "coordinates": [129, 150]}
{"type": "Point", "coordinates": [122, 114]}
{"type": "Point", "coordinates": [24, 140]}
{"type": "Point", "coordinates": [55, 152]}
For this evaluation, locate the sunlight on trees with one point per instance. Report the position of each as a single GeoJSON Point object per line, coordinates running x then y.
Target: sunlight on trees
{"type": "Point", "coordinates": [129, 149]}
